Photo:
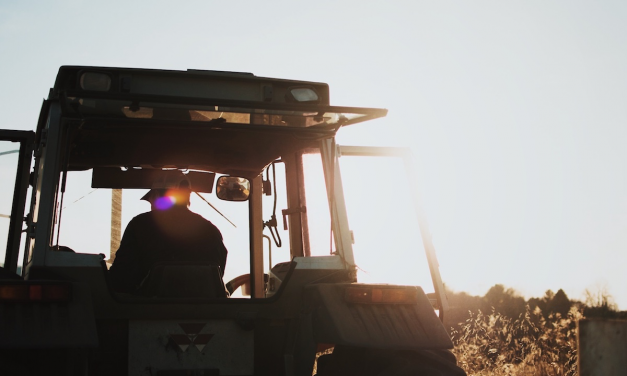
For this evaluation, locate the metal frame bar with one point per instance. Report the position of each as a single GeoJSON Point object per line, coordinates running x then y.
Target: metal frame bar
{"type": "Point", "coordinates": [44, 212]}
{"type": "Point", "coordinates": [337, 205]}
{"type": "Point", "coordinates": [25, 157]}
{"type": "Point", "coordinates": [256, 239]}
{"type": "Point", "coordinates": [306, 107]}
{"type": "Point", "coordinates": [293, 204]}
{"type": "Point", "coordinates": [149, 124]}
{"type": "Point", "coordinates": [369, 113]}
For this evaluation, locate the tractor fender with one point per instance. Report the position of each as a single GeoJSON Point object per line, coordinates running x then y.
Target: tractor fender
{"type": "Point", "coordinates": [410, 324]}
{"type": "Point", "coordinates": [49, 324]}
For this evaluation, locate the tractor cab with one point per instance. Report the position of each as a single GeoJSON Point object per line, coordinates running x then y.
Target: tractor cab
{"type": "Point", "coordinates": [261, 163]}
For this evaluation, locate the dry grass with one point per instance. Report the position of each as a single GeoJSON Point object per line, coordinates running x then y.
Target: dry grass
{"type": "Point", "coordinates": [496, 345]}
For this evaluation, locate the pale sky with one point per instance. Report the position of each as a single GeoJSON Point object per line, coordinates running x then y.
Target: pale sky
{"type": "Point", "coordinates": [514, 110]}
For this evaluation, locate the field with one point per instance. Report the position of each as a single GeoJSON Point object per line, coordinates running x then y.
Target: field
{"type": "Point", "coordinates": [495, 345]}
{"type": "Point", "coordinates": [501, 333]}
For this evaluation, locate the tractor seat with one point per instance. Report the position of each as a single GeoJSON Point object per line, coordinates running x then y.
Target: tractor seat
{"type": "Point", "coordinates": [183, 280]}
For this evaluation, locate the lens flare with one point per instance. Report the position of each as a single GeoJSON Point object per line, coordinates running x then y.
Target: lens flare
{"type": "Point", "coordinates": [165, 202]}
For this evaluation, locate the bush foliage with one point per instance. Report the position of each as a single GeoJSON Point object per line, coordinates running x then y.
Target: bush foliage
{"type": "Point", "coordinates": [494, 344]}
{"type": "Point", "coordinates": [502, 334]}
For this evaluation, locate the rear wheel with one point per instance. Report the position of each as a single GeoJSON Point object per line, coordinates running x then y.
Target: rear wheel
{"type": "Point", "coordinates": [244, 282]}
{"type": "Point", "coordinates": [378, 362]}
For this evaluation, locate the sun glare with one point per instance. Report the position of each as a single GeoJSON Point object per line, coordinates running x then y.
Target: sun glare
{"type": "Point", "coordinates": [165, 202]}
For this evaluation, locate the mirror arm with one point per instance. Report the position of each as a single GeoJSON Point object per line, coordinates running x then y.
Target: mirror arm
{"type": "Point", "coordinates": [214, 208]}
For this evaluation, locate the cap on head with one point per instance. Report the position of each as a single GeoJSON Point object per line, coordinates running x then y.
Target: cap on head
{"type": "Point", "coordinates": [168, 192]}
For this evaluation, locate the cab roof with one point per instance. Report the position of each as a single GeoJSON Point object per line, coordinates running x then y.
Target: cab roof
{"type": "Point", "coordinates": [228, 122]}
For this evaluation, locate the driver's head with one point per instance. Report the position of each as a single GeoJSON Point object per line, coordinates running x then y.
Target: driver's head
{"type": "Point", "coordinates": [169, 193]}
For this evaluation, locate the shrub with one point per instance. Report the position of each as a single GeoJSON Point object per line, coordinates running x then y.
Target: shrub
{"type": "Point", "coordinates": [529, 345]}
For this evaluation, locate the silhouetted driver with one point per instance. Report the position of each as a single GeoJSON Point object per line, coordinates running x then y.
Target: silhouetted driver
{"type": "Point", "coordinates": [170, 232]}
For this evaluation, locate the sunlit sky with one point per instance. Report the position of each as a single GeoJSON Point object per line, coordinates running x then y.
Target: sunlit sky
{"type": "Point", "coordinates": [515, 111]}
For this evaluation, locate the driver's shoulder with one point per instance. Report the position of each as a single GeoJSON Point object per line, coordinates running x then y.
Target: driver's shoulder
{"type": "Point", "coordinates": [142, 218]}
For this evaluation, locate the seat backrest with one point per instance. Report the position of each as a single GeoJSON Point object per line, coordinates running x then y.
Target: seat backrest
{"type": "Point", "coordinates": [182, 280]}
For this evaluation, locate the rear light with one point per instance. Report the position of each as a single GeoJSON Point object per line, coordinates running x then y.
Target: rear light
{"type": "Point", "coordinates": [35, 292]}
{"type": "Point", "coordinates": [95, 81]}
{"type": "Point", "coordinates": [304, 94]}
{"type": "Point", "coordinates": [378, 295]}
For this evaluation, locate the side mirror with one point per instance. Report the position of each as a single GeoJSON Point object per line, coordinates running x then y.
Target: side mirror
{"type": "Point", "coordinates": [232, 188]}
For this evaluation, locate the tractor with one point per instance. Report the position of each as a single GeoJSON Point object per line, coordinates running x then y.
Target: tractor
{"type": "Point", "coordinates": [264, 167]}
